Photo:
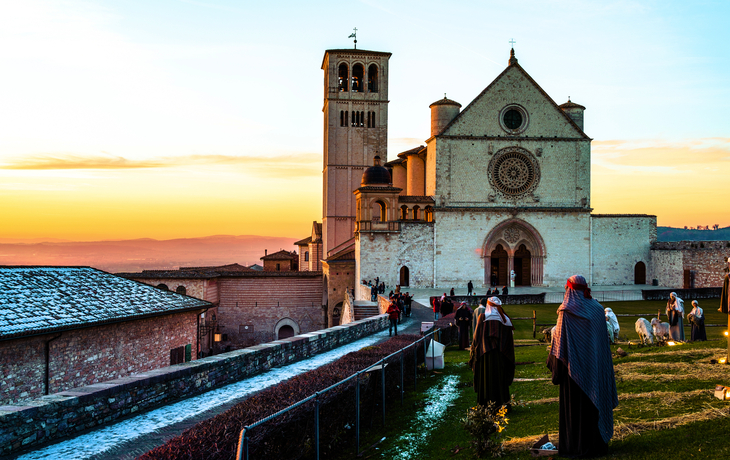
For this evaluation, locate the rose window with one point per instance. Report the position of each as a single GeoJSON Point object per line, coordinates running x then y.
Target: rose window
{"type": "Point", "coordinates": [513, 172]}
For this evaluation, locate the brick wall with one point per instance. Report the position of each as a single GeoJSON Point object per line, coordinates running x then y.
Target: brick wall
{"type": "Point", "coordinates": [707, 260]}
{"type": "Point", "coordinates": [66, 413]}
{"type": "Point", "coordinates": [262, 302]}
{"type": "Point", "coordinates": [91, 355]}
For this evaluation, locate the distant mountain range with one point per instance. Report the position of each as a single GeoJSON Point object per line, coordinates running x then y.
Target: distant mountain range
{"type": "Point", "coordinates": [681, 234]}
{"type": "Point", "coordinates": [145, 253]}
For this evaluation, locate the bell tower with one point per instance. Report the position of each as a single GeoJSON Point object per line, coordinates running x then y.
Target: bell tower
{"type": "Point", "coordinates": [355, 132]}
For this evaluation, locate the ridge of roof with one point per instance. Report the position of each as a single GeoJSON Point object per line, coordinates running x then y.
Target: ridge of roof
{"type": "Point", "coordinates": [517, 66]}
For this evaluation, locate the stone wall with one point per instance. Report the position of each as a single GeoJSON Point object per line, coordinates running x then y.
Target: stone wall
{"type": "Point", "coordinates": [705, 260]}
{"type": "Point", "coordinates": [619, 243]}
{"type": "Point", "coordinates": [66, 413]}
{"type": "Point", "coordinates": [91, 355]}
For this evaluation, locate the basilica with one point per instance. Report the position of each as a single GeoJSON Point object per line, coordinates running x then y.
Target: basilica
{"type": "Point", "coordinates": [502, 185]}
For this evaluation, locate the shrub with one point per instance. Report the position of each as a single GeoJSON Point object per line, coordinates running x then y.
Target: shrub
{"type": "Point", "coordinates": [291, 435]}
{"type": "Point", "coordinates": [485, 424]}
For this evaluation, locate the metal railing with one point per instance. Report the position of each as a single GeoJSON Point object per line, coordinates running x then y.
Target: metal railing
{"type": "Point", "coordinates": [242, 450]}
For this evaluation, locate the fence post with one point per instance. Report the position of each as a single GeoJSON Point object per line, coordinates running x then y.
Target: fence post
{"type": "Point", "coordinates": [415, 365]}
{"type": "Point", "coordinates": [242, 453]}
{"type": "Point", "coordinates": [357, 412]}
{"type": "Point", "coordinates": [401, 378]}
{"type": "Point", "coordinates": [316, 425]}
{"type": "Point", "coordinates": [534, 323]}
{"type": "Point", "coordinates": [382, 380]}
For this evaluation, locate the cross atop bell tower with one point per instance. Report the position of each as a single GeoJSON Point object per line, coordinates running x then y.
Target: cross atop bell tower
{"type": "Point", "coordinates": [355, 131]}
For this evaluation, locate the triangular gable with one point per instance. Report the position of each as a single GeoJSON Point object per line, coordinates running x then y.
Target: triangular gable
{"type": "Point", "coordinates": [471, 120]}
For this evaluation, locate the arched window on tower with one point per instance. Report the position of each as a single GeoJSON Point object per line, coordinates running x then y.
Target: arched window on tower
{"type": "Point", "coordinates": [357, 118]}
{"type": "Point", "coordinates": [342, 78]}
{"type": "Point", "coordinates": [372, 119]}
{"type": "Point", "coordinates": [373, 78]}
{"type": "Point", "coordinates": [380, 212]}
{"type": "Point", "coordinates": [429, 214]}
{"type": "Point", "coordinates": [352, 121]}
{"type": "Point", "coordinates": [342, 118]}
{"type": "Point", "coordinates": [416, 213]}
{"type": "Point", "coordinates": [357, 78]}
{"type": "Point", "coordinates": [362, 119]}
{"type": "Point", "coordinates": [403, 212]}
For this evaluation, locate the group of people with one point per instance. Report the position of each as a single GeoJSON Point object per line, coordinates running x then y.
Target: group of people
{"type": "Point", "coordinates": [375, 289]}
{"type": "Point", "coordinates": [399, 305]}
{"type": "Point", "coordinates": [675, 318]}
{"type": "Point", "coordinates": [580, 362]}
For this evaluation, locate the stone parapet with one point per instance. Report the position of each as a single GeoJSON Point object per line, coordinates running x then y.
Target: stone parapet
{"type": "Point", "coordinates": [67, 413]}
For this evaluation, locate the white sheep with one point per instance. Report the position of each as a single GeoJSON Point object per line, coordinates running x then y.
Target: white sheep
{"type": "Point", "coordinates": [644, 329]}
{"type": "Point", "coordinates": [661, 330]}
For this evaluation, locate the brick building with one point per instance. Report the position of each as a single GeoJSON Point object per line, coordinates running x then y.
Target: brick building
{"type": "Point", "coordinates": [65, 327]}
{"type": "Point", "coordinates": [281, 261]}
{"type": "Point", "coordinates": [248, 306]}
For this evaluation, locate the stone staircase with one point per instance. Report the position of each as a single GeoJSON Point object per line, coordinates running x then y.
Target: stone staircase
{"type": "Point", "coordinates": [365, 309]}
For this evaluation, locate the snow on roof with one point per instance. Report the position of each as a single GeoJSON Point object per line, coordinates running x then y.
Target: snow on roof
{"type": "Point", "coordinates": [35, 300]}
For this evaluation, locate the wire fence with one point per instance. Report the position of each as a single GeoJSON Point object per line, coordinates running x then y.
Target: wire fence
{"type": "Point", "coordinates": [242, 451]}
{"type": "Point", "coordinates": [601, 296]}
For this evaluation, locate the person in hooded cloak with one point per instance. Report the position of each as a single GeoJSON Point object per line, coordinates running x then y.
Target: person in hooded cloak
{"type": "Point", "coordinates": [675, 316]}
{"type": "Point", "coordinates": [463, 321]}
{"type": "Point", "coordinates": [492, 357]}
{"type": "Point", "coordinates": [581, 363]}
{"type": "Point", "coordinates": [613, 326]}
{"type": "Point", "coordinates": [697, 319]}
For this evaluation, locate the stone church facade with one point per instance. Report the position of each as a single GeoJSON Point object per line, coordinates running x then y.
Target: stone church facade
{"type": "Point", "coordinates": [502, 185]}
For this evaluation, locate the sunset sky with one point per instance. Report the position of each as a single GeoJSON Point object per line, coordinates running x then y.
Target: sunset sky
{"type": "Point", "coordinates": [170, 119]}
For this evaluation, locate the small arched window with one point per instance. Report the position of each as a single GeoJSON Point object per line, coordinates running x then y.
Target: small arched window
{"type": "Point", "coordinates": [403, 212]}
{"type": "Point", "coordinates": [352, 121]}
{"type": "Point", "coordinates": [162, 287]}
{"type": "Point", "coordinates": [429, 214]}
{"type": "Point", "coordinates": [379, 212]}
{"type": "Point", "coordinates": [362, 118]}
{"type": "Point", "coordinates": [357, 78]}
{"type": "Point", "coordinates": [357, 118]}
{"type": "Point", "coordinates": [342, 118]}
{"type": "Point", "coordinates": [180, 290]}
{"type": "Point", "coordinates": [342, 78]}
{"type": "Point", "coordinates": [416, 213]}
{"type": "Point", "coordinates": [278, 267]}
{"type": "Point", "coordinates": [373, 78]}
{"type": "Point", "coordinates": [306, 256]}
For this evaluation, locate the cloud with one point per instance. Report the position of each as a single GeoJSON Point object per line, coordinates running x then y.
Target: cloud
{"type": "Point", "coordinates": [293, 165]}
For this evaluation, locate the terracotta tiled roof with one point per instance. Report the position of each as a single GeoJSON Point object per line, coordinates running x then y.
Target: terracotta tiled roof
{"type": "Point", "coordinates": [444, 101]}
{"type": "Point", "coordinates": [36, 300]}
{"type": "Point", "coordinates": [304, 242]}
{"type": "Point", "coordinates": [571, 105]}
{"type": "Point", "coordinates": [221, 268]}
{"type": "Point", "coordinates": [413, 151]}
{"type": "Point", "coordinates": [281, 255]}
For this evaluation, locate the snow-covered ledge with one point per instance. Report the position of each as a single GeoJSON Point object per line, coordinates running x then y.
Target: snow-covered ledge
{"type": "Point", "coordinates": [64, 414]}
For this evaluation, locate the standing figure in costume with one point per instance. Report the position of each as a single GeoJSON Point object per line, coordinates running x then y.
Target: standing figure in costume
{"type": "Point", "coordinates": [436, 308]}
{"type": "Point", "coordinates": [492, 356]}
{"type": "Point", "coordinates": [612, 324]}
{"type": "Point", "coordinates": [675, 316]}
{"type": "Point", "coordinates": [580, 360]}
{"type": "Point", "coordinates": [478, 311]}
{"type": "Point", "coordinates": [463, 321]}
{"type": "Point", "coordinates": [697, 319]}
{"type": "Point", "coordinates": [469, 287]}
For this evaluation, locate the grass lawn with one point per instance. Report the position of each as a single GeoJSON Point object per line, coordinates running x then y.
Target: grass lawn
{"type": "Point", "coordinates": [666, 406]}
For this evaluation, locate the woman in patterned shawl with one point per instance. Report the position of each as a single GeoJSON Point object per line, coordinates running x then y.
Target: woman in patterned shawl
{"type": "Point", "coordinates": [492, 356]}
{"type": "Point", "coordinates": [580, 360]}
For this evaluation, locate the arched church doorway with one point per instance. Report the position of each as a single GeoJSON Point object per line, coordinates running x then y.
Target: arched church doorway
{"type": "Point", "coordinates": [522, 266]}
{"type": "Point", "coordinates": [514, 244]}
{"type": "Point", "coordinates": [499, 266]}
{"type": "Point", "coordinates": [336, 313]}
{"type": "Point", "coordinates": [640, 273]}
{"type": "Point", "coordinates": [404, 277]}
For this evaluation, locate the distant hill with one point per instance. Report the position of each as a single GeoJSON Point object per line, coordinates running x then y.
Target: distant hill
{"type": "Point", "coordinates": [681, 234]}
{"type": "Point", "coordinates": [145, 253]}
